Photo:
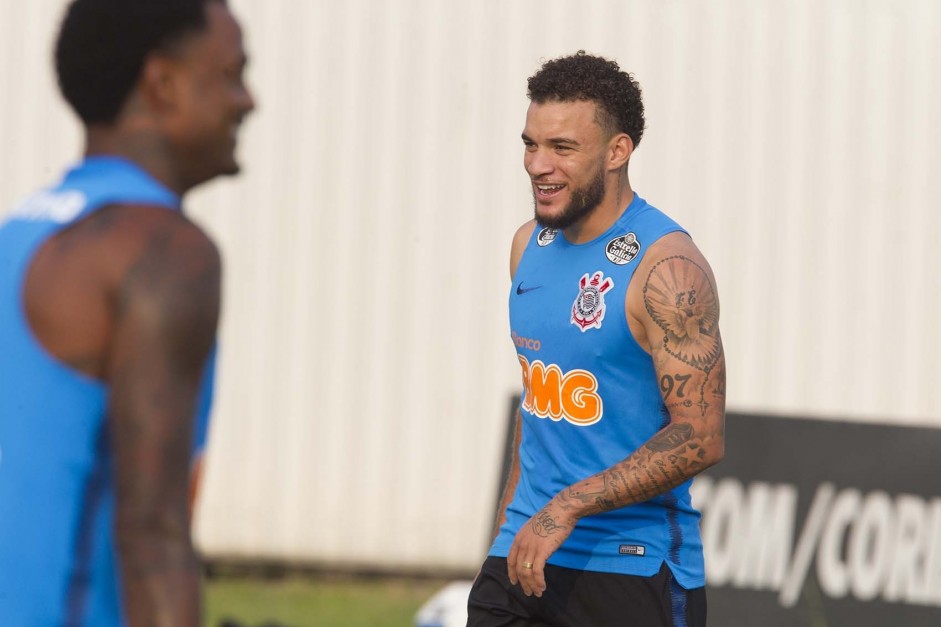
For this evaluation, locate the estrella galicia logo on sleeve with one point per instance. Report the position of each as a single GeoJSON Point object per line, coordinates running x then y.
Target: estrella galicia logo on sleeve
{"type": "Point", "coordinates": [546, 236]}
{"type": "Point", "coordinates": [622, 250]}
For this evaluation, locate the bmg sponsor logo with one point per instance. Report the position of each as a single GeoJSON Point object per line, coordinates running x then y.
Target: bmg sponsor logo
{"type": "Point", "coordinates": [550, 393]}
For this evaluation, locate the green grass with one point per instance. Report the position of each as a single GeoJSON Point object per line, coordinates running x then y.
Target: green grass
{"type": "Point", "coordinates": [317, 601]}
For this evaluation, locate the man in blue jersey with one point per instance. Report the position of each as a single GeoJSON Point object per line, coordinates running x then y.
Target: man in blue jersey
{"type": "Point", "coordinates": [109, 298]}
{"type": "Point", "coordinates": [614, 314]}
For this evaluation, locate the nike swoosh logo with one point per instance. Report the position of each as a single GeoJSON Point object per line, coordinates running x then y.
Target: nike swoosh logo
{"type": "Point", "coordinates": [520, 290]}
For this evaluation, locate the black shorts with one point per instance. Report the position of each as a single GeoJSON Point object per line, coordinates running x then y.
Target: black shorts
{"type": "Point", "coordinates": [577, 598]}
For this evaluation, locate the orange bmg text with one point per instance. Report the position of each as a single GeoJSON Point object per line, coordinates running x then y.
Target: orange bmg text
{"type": "Point", "coordinates": [550, 393]}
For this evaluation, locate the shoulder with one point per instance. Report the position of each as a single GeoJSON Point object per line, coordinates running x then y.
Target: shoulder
{"type": "Point", "coordinates": [167, 289]}
{"type": "Point", "coordinates": [520, 240]}
{"type": "Point", "coordinates": [130, 236]}
{"type": "Point", "coordinates": [522, 236]}
{"type": "Point", "coordinates": [166, 256]}
{"type": "Point", "coordinates": [141, 225]}
{"type": "Point", "coordinates": [675, 249]}
{"type": "Point", "coordinates": [152, 259]}
{"type": "Point", "coordinates": [120, 265]}
{"type": "Point", "coordinates": [673, 276]}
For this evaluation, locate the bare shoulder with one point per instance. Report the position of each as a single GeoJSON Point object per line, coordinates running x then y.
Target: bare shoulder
{"type": "Point", "coordinates": [520, 240]}
{"type": "Point", "coordinates": [78, 281]}
{"type": "Point", "coordinates": [166, 259]}
{"type": "Point", "coordinates": [131, 243]}
{"type": "Point", "coordinates": [678, 245]}
{"type": "Point", "coordinates": [674, 253]}
{"type": "Point", "coordinates": [674, 281]}
{"type": "Point", "coordinates": [135, 232]}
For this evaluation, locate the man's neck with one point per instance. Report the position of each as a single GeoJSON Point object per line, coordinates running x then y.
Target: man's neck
{"type": "Point", "coordinates": [143, 147]}
{"type": "Point", "coordinates": [608, 211]}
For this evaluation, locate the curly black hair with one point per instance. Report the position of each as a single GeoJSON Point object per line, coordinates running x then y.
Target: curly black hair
{"type": "Point", "coordinates": [102, 45]}
{"type": "Point", "coordinates": [583, 76]}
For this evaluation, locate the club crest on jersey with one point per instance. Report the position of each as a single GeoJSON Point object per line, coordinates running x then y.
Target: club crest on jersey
{"type": "Point", "coordinates": [546, 236]}
{"type": "Point", "coordinates": [588, 308]}
{"type": "Point", "coordinates": [622, 250]}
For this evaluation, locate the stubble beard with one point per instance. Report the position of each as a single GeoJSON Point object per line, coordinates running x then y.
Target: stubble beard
{"type": "Point", "coordinates": [584, 200]}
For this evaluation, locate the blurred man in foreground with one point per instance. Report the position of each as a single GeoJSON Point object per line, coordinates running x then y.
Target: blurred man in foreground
{"type": "Point", "coordinates": [614, 314]}
{"type": "Point", "coordinates": [109, 299]}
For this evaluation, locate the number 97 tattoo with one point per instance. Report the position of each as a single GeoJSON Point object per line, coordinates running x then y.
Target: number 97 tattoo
{"type": "Point", "coordinates": [667, 384]}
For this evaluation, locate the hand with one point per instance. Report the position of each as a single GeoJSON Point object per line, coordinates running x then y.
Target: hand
{"type": "Point", "coordinates": [536, 541]}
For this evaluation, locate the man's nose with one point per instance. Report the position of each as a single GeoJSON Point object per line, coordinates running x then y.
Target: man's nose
{"type": "Point", "coordinates": [538, 163]}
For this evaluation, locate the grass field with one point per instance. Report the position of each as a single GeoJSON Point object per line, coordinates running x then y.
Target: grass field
{"type": "Point", "coordinates": [316, 601]}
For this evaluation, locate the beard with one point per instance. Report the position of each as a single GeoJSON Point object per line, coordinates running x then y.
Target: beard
{"type": "Point", "coordinates": [584, 201]}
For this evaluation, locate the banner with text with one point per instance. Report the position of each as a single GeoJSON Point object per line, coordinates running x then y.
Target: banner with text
{"type": "Point", "coordinates": [823, 524]}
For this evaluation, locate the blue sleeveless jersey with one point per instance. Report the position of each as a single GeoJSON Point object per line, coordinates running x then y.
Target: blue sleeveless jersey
{"type": "Point", "coordinates": [591, 399]}
{"type": "Point", "coordinates": [58, 561]}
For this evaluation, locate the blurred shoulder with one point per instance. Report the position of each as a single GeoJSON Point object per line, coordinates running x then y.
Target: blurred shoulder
{"type": "Point", "coordinates": [133, 233]}
{"type": "Point", "coordinates": [160, 247]}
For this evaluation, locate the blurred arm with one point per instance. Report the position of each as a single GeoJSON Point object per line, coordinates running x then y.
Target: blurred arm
{"type": "Point", "coordinates": [166, 313]}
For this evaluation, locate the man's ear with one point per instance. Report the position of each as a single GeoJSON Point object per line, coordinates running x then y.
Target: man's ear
{"type": "Point", "coordinates": [158, 86]}
{"type": "Point", "coordinates": [620, 149]}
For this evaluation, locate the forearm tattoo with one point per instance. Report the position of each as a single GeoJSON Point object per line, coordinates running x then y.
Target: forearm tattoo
{"type": "Point", "coordinates": [671, 437]}
{"type": "Point", "coordinates": [544, 525]}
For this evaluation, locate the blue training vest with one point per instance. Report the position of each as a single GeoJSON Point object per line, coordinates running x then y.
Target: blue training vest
{"type": "Point", "coordinates": [591, 399]}
{"type": "Point", "coordinates": [58, 561]}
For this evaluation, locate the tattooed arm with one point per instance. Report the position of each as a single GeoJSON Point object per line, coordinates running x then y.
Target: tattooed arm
{"type": "Point", "coordinates": [166, 309]}
{"type": "Point", "coordinates": [673, 311]}
{"type": "Point", "coordinates": [675, 315]}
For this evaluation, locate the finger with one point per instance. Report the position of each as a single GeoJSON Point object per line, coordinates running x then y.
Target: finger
{"type": "Point", "coordinates": [525, 572]}
{"type": "Point", "coordinates": [511, 563]}
{"type": "Point", "coordinates": [539, 575]}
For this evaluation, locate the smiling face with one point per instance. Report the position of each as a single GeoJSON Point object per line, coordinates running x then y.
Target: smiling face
{"type": "Point", "coordinates": [565, 160]}
{"type": "Point", "coordinates": [210, 99]}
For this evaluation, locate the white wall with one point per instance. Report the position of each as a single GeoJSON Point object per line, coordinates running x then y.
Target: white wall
{"type": "Point", "coordinates": [366, 367]}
